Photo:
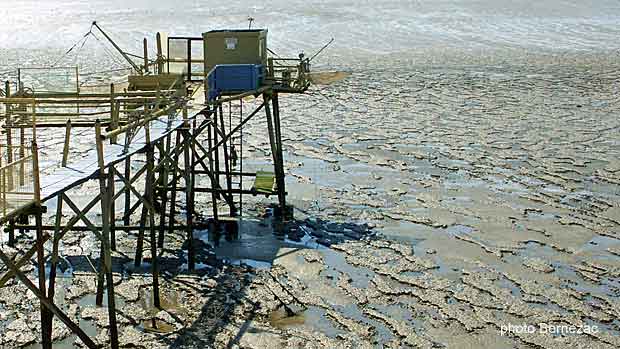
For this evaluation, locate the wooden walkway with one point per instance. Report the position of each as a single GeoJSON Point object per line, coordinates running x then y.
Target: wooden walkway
{"type": "Point", "coordinates": [56, 179]}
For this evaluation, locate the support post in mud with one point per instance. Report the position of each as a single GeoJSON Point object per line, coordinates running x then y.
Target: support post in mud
{"type": "Point", "coordinates": [100, 279]}
{"type": "Point", "coordinates": [105, 236]}
{"type": "Point", "coordinates": [141, 229]}
{"type": "Point", "coordinates": [214, 227]}
{"type": "Point", "coordinates": [11, 228]}
{"type": "Point", "coordinates": [143, 215]}
{"type": "Point", "coordinates": [46, 316]}
{"type": "Point", "coordinates": [212, 170]}
{"type": "Point", "coordinates": [150, 180]}
{"type": "Point", "coordinates": [164, 153]}
{"type": "Point", "coordinates": [227, 164]}
{"type": "Point", "coordinates": [54, 259]}
{"type": "Point", "coordinates": [127, 211]}
{"type": "Point", "coordinates": [188, 158]}
{"type": "Point", "coordinates": [111, 190]}
{"type": "Point", "coordinates": [216, 154]}
{"type": "Point", "coordinates": [46, 334]}
{"type": "Point", "coordinates": [278, 168]}
{"type": "Point", "coordinates": [175, 179]}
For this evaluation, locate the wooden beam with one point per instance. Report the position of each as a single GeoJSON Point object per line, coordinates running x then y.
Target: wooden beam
{"type": "Point", "coordinates": [53, 308]}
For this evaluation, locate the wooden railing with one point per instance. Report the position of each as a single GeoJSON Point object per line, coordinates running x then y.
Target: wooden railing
{"type": "Point", "coordinates": [19, 179]}
{"type": "Point", "coordinates": [19, 164]}
{"type": "Point", "coordinates": [288, 73]}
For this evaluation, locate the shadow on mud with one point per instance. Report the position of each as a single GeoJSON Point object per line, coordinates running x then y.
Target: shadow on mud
{"type": "Point", "coordinates": [220, 309]}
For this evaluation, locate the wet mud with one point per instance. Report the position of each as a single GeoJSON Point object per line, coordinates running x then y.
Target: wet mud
{"type": "Point", "coordinates": [435, 203]}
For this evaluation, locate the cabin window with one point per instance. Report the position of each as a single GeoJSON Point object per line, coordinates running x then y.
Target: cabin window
{"type": "Point", "coordinates": [231, 43]}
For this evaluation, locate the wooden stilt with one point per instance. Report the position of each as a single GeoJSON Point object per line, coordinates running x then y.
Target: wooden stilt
{"type": "Point", "coordinates": [216, 151]}
{"type": "Point", "coordinates": [189, 197]}
{"type": "Point", "coordinates": [274, 151]}
{"type": "Point", "coordinates": [140, 241]}
{"type": "Point", "coordinates": [127, 215]}
{"type": "Point", "coordinates": [280, 163]}
{"type": "Point", "coordinates": [165, 166]}
{"type": "Point", "coordinates": [54, 258]}
{"type": "Point", "coordinates": [45, 318]}
{"type": "Point", "coordinates": [150, 196]}
{"type": "Point", "coordinates": [105, 222]}
{"type": "Point", "coordinates": [11, 228]}
{"type": "Point", "coordinates": [227, 164]}
{"type": "Point", "coordinates": [111, 190]}
{"type": "Point", "coordinates": [213, 181]}
{"type": "Point", "coordinates": [175, 179]}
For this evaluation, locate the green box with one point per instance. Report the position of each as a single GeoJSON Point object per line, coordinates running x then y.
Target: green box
{"type": "Point", "coordinates": [246, 46]}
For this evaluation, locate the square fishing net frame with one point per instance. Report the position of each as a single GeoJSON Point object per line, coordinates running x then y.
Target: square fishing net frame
{"type": "Point", "coordinates": [49, 79]}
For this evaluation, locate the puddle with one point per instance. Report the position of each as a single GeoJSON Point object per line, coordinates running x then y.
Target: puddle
{"type": "Point", "coordinates": [280, 318]}
{"type": "Point", "coordinates": [156, 326]}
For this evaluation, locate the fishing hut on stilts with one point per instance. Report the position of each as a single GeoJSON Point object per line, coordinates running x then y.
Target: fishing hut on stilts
{"type": "Point", "coordinates": [178, 118]}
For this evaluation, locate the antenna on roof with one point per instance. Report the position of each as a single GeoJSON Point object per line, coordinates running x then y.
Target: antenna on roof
{"type": "Point", "coordinates": [250, 20]}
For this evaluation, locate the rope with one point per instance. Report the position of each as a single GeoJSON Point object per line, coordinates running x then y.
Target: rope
{"type": "Point", "coordinates": [107, 50]}
{"type": "Point", "coordinates": [83, 38]}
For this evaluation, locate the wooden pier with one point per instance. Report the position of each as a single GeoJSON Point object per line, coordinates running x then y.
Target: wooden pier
{"type": "Point", "coordinates": [178, 134]}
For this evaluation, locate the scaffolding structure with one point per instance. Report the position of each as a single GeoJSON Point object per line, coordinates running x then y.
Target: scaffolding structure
{"type": "Point", "coordinates": [162, 118]}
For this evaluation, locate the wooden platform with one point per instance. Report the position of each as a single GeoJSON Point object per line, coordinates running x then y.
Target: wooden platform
{"type": "Point", "coordinates": [56, 179]}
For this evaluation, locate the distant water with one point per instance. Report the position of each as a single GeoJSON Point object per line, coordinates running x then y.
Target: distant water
{"type": "Point", "coordinates": [361, 27]}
